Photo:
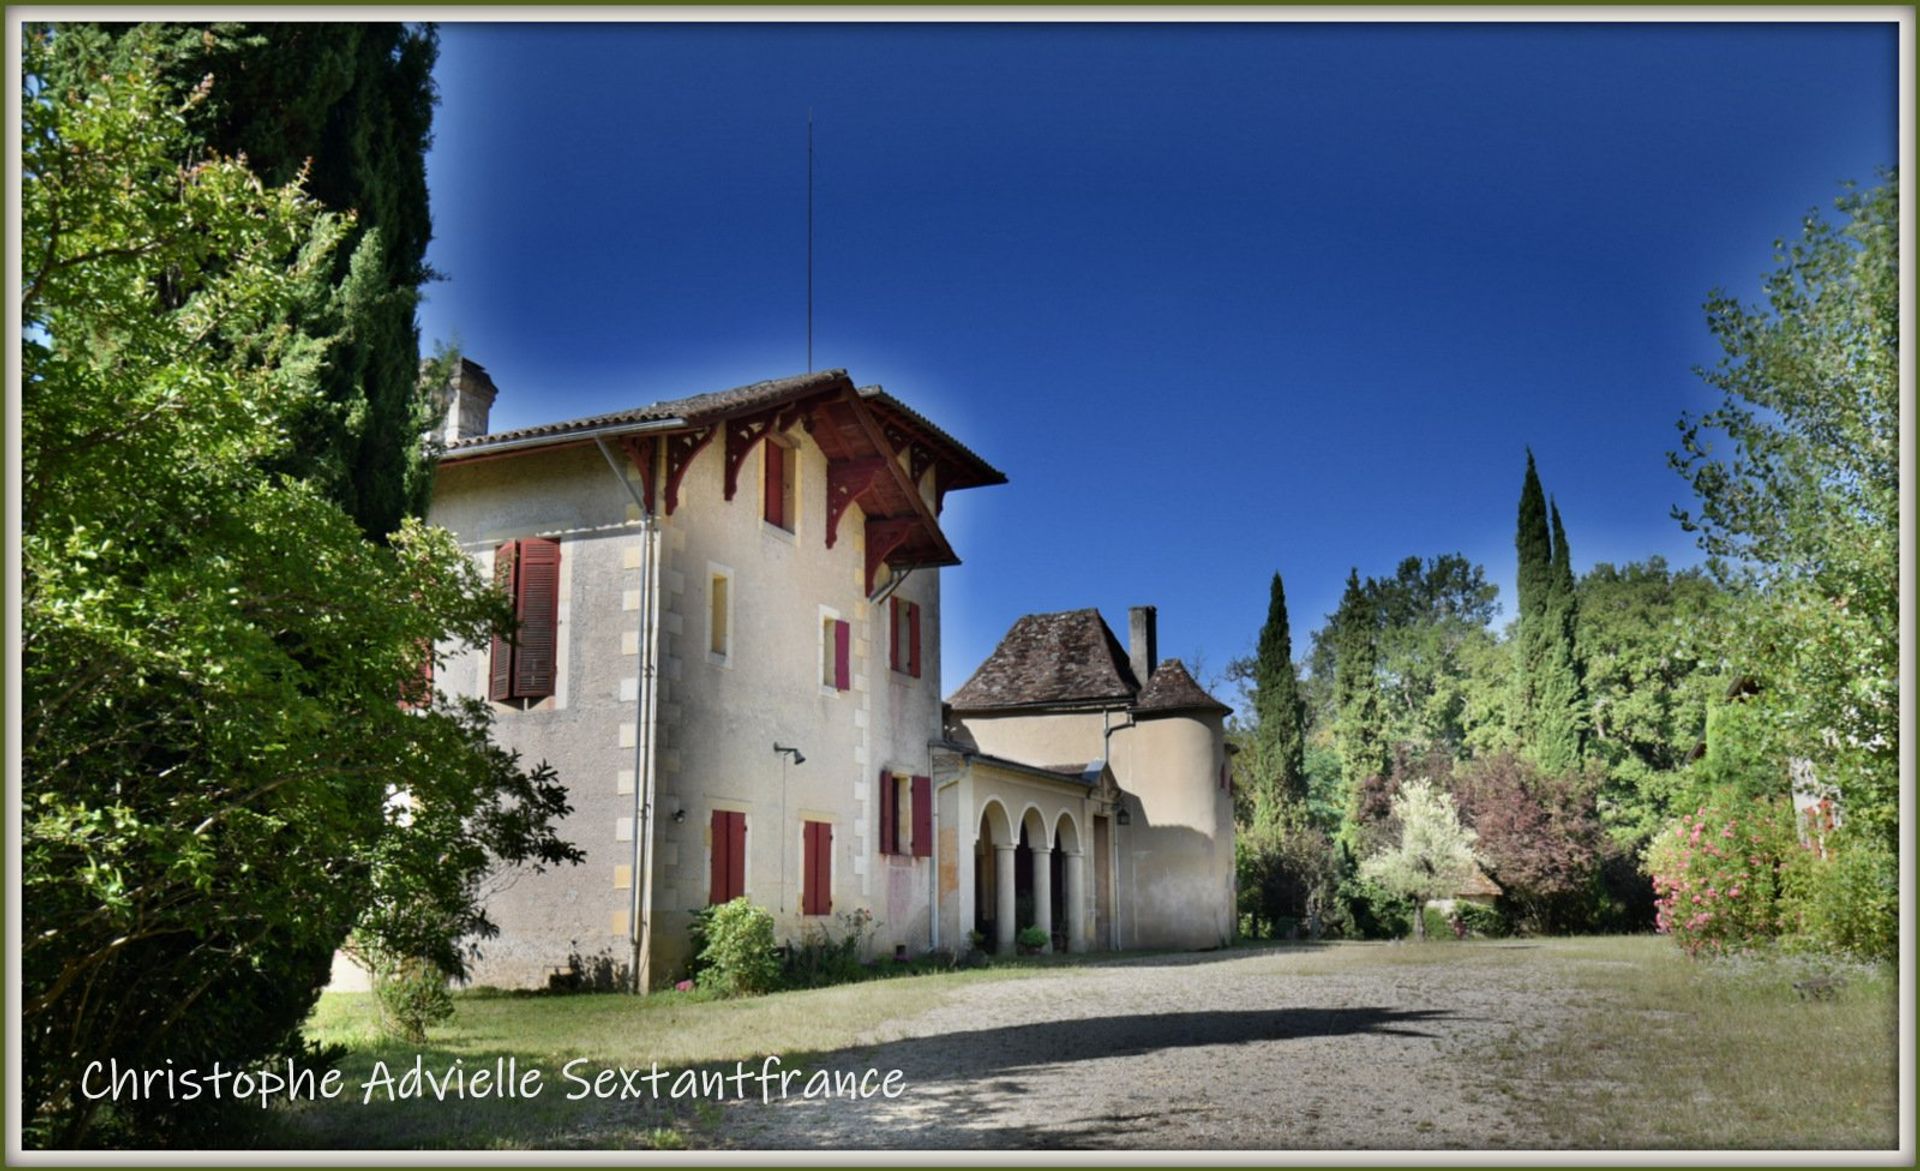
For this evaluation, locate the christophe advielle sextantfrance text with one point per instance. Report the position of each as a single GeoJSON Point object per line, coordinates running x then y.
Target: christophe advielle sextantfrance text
{"type": "Point", "coordinates": [769, 1080]}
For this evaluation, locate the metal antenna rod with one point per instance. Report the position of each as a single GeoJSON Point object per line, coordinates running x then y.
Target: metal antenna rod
{"type": "Point", "coordinates": [809, 239]}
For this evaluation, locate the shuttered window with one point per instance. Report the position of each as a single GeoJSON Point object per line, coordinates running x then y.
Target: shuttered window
{"type": "Point", "coordinates": [777, 485]}
{"type": "Point", "coordinates": [889, 813]}
{"type": "Point", "coordinates": [727, 871]}
{"type": "Point", "coordinates": [836, 654]}
{"type": "Point", "coordinates": [905, 623]}
{"type": "Point", "coordinates": [922, 817]}
{"type": "Point", "coordinates": [816, 863]}
{"type": "Point", "coordinates": [524, 666]}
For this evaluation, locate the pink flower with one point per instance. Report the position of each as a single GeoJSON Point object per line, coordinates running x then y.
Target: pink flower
{"type": "Point", "coordinates": [684, 986]}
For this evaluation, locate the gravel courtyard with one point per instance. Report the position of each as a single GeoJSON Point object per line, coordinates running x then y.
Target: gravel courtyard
{"type": "Point", "coordinates": [1289, 1048]}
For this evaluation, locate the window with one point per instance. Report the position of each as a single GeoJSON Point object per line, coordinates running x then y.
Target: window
{"type": "Point", "coordinates": [905, 640]}
{"type": "Point", "coordinates": [836, 653]}
{"type": "Point", "coordinates": [727, 872]}
{"type": "Point", "coordinates": [906, 815]}
{"type": "Point", "coordinates": [528, 571]}
{"type": "Point", "coordinates": [777, 484]}
{"type": "Point", "coordinates": [719, 612]}
{"type": "Point", "coordinates": [816, 868]}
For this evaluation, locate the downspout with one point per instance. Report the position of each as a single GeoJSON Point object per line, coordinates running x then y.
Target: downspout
{"type": "Point", "coordinates": [645, 708]}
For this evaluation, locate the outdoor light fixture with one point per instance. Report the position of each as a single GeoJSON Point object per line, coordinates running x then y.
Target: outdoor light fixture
{"type": "Point", "coordinates": [798, 757]}
{"type": "Point", "coordinates": [679, 816]}
{"type": "Point", "coordinates": [1123, 816]}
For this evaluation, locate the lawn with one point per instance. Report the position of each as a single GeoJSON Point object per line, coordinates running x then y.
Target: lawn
{"type": "Point", "coordinates": [1658, 1052]}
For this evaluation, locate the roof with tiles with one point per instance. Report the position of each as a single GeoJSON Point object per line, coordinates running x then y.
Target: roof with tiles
{"type": "Point", "coordinates": [1072, 658]}
{"type": "Point", "coordinates": [1174, 689]}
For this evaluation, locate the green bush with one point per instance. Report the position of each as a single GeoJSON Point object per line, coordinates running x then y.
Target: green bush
{"type": "Point", "coordinates": [737, 956]}
{"type": "Point", "coordinates": [1845, 898]}
{"type": "Point", "coordinates": [412, 994]}
{"type": "Point", "coordinates": [1030, 939]}
{"type": "Point", "coordinates": [1482, 920]}
{"type": "Point", "coordinates": [819, 960]}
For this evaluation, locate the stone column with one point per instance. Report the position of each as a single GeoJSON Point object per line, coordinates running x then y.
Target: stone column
{"type": "Point", "coordinates": [1076, 902]}
{"type": "Point", "coordinates": [1043, 894]}
{"type": "Point", "coordinates": [1003, 898]}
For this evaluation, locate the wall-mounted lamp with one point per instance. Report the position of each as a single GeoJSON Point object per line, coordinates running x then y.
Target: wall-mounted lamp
{"type": "Point", "coordinates": [679, 816]}
{"type": "Point", "coordinates": [798, 757]}
{"type": "Point", "coordinates": [1123, 817]}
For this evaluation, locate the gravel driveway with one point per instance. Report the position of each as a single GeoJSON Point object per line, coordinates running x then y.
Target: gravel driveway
{"type": "Point", "coordinates": [1288, 1048]}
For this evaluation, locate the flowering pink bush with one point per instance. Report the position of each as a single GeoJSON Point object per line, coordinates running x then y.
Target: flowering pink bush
{"type": "Point", "coordinates": [1717, 873]}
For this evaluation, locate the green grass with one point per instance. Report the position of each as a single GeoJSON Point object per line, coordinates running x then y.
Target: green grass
{"type": "Point", "coordinates": [609, 1030]}
{"type": "Point", "coordinates": [1722, 1054]}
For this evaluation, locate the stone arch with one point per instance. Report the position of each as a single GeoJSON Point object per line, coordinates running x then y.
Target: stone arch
{"type": "Point", "coordinates": [999, 825]}
{"type": "Point", "coordinates": [1066, 833]}
{"type": "Point", "coordinates": [1039, 834]}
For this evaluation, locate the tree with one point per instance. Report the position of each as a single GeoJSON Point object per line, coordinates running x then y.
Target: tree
{"type": "Point", "coordinates": [1280, 736]}
{"type": "Point", "coordinates": [347, 109]}
{"type": "Point", "coordinates": [1435, 855]}
{"type": "Point", "coordinates": [1539, 836]}
{"type": "Point", "coordinates": [219, 777]}
{"type": "Point", "coordinates": [1358, 727]}
{"type": "Point", "coordinates": [1547, 704]}
{"type": "Point", "coordinates": [1800, 513]}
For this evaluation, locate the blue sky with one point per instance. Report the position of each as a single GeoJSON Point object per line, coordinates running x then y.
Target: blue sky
{"type": "Point", "coordinates": [1220, 299]}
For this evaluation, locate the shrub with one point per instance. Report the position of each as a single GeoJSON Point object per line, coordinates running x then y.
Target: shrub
{"type": "Point", "coordinates": [412, 994]}
{"type": "Point", "coordinates": [1716, 872]}
{"type": "Point", "coordinates": [1437, 923]}
{"type": "Point", "coordinates": [1030, 940]}
{"type": "Point", "coordinates": [1482, 920]}
{"type": "Point", "coordinates": [820, 960]}
{"type": "Point", "coordinates": [1844, 896]}
{"type": "Point", "coordinates": [737, 955]}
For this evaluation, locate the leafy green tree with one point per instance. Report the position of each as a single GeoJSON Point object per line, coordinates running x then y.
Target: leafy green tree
{"type": "Point", "coordinates": [1435, 854]}
{"type": "Point", "coordinates": [1653, 642]}
{"type": "Point", "coordinates": [1800, 510]}
{"type": "Point", "coordinates": [347, 110]}
{"type": "Point", "coordinates": [1359, 729]}
{"type": "Point", "coordinates": [219, 778]}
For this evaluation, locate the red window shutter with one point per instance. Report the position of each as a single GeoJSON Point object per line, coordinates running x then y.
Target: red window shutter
{"type": "Point", "coordinates": [538, 592]}
{"type": "Point", "coordinates": [842, 656]}
{"type": "Point", "coordinates": [775, 484]}
{"type": "Point", "coordinates": [736, 855]}
{"type": "Point", "coordinates": [889, 815]}
{"type": "Point", "coordinates": [913, 639]}
{"type": "Point", "coordinates": [923, 817]}
{"type": "Point", "coordinates": [500, 673]}
{"type": "Point", "coordinates": [817, 877]}
{"type": "Point", "coordinates": [717, 869]}
{"type": "Point", "coordinates": [893, 632]}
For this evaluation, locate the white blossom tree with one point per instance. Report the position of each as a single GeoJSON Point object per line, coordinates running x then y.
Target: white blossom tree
{"type": "Point", "coordinates": [1435, 857]}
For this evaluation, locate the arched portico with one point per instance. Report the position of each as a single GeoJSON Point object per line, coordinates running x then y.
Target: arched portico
{"type": "Point", "coordinates": [1073, 865]}
{"type": "Point", "coordinates": [996, 879]}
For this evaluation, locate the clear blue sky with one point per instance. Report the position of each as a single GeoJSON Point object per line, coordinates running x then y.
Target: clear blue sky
{"type": "Point", "coordinates": [1220, 299]}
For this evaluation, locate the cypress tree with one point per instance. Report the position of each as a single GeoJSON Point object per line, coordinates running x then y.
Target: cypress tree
{"type": "Point", "coordinates": [351, 107]}
{"type": "Point", "coordinates": [1281, 736]}
{"type": "Point", "coordinates": [1559, 687]}
{"type": "Point", "coordinates": [1359, 733]}
{"type": "Point", "coordinates": [1534, 583]}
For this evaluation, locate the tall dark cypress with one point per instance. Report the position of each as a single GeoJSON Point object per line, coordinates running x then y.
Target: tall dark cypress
{"type": "Point", "coordinates": [352, 106]}
{"type": "Point", "coordinates": [1281, 737]}
{"type": "Point", "coordinates": [1534, 584]}
{"type": "Point", "coordinates": [1359, 732]}
{"type": "Point", "coordinates": [1560, 723]}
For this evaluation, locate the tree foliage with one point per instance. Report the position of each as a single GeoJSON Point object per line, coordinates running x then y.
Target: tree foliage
{"type": "Point", "coordinates": [1434, 857]}
{"type": "Point", "coordinates": [1548, 705]}
{"type": "Point", "coordinates": [346, 109]}
{"type": "Point", "coordinates": [1799, 510]}
{"type": "Point", "coordinates": [1539, 835]}
{"type": "Point", "coordinates": [218, 779]}
{"type": "Point", "coordinates": [1279, 769]}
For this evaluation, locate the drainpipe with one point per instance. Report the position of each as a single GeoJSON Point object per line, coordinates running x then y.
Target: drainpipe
{"type": "Point", "coordinates": [646, 707]}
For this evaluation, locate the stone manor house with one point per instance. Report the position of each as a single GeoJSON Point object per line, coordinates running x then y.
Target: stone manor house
{"type": "Point", "coordinates": [729, 649]}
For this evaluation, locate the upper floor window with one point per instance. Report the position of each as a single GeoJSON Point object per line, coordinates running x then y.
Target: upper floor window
{"type": "Point", "coordinates": [719, 612]}
{"type": "Point", "coordinates": [905, 625]}
{"type": "Point", "coordinates": [836, 653]}
{"type": "Point", "coordinates": [778, 483]}
{"type": "Point", "coordinates": [523, 666]}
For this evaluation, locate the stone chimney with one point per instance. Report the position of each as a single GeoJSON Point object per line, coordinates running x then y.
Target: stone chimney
{"type": "Point", "coordinates": [1143, 642]}
{"type": "Point", "coordinates": [469, 399]}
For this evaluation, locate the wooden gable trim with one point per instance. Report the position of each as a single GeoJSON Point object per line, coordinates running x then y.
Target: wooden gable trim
{"type": "Point", "coordinates": [681, 448]}
{"type": "Point", "coordinates": [884, 535]}
{"type": "Point", "coordinates": [640, 450]}
{"type": "Point", "coordinates": [847, 481]}
{"type": "Point", "coordinates": [743, 435]}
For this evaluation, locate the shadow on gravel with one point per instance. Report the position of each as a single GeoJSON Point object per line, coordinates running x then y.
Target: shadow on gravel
{"type": "Point", "coordinates": [973, 1055]}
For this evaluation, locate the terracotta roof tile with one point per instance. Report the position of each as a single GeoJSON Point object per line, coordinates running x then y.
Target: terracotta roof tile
{"type": "Point", "coordinates": [1173, 689]}
{"type": "Point", "coordinates": [1063, 658]}
{"type": "Point", "coordinates": [695, 409]}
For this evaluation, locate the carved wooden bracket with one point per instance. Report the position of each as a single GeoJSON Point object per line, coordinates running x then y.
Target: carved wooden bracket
{"type": "Point", "coordinates": [743, 435]}
{"type": "Point", "coordinates": [681, 449]}
{"type": "Point", "coordinates": [846, 480]}
{"type": "Point", "coordinates": [640, 451]}
{"type": "Point", "coordinates": [883, 537]}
